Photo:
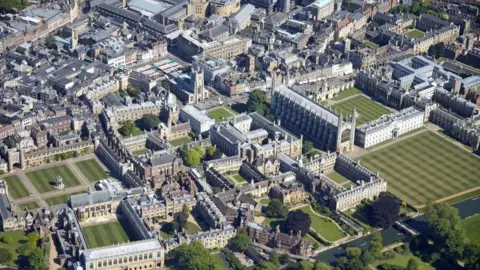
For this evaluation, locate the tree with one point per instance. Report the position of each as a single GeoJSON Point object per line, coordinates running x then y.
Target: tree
{"type": "Point", "coordinates": [6, 239]}
{"type": "Point", "coordinates": [32, 239]}
{"type": "Point", "coordinates": [306, 265]}
{"type": "Point", "coordinates": [266, 265]}
{"type": "Point", "coordinates": [353, 252]}
{"type": "Point", "coordinates": [192, 158]}
{"type": "Point", "coordinates": [376, 245]}
{"type": "Point", "coordinates": [148, 122]}
{"type": "Point", "coordinates": [51, 43]}
{"type": "Point", "coordinates": [384, 211]}
{"type": "Point", "coordinates": [440, 49]}
{"type": "Point", "coordinates": [274, 258]}
{"type": "Point", "coordinates": [284, 258]}
{"type": "Point", "coordinates": [413, 264]}
{"type": "Point", "coordinates": [298, 221]}
{"type": "Point", "coordinates": [443, 224]}
{"type": "Point", "coordinates": [36, 259]}
{"type": "Point", "coordinates": [22, 250]}
{"type": "Point", "coordinates": [11, 142]}
{"type": "Point", "coordinates": [242, 242]}
{"type": "Point", "coordinates": [307, 147]}
{"type": "Point", "coordinates": [256, 102]}
{"type": "Point", "coordinates": [181, 220]}
{"type": "Point", "coordinates": [186, 210]}
{"type": "Point", "coordinates": [128, 128]}
{"type": "Point", "coordinates": [5, 255]}
{"type": "Point", "coordinates": [471, 257]}
{"type": "Point", "coordinates": [192, 256]}
{"type": "Point", "coordinates": [276, 209]}
{"type": "Point", "coordinates": [367, 257]}
{"type": "Point", "coordinates": [432, 51]}
{"type": "Point", "coordinates": [211, 151]}
{"type": "Point", "coordinates": [321, 266]}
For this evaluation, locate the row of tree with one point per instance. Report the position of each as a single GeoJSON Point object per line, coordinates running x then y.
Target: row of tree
{"type": "Point", "coordinates": [195, 155]}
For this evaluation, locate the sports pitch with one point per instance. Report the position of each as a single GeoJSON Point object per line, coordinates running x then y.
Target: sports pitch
{"type": "Point", "coordinates": [367, 109]}
{"type": "Point", "coordinates": [92, 170]}
{"type": "Point", "coordinates": [105, 234]}
{"type": "Point", "coordinates": [424, 168]}
{"type": "Point", "coordinates": [44, 180]}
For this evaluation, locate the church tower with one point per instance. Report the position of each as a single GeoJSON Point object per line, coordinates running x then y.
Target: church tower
{"type": "Point", "coordinates": [197, 84]}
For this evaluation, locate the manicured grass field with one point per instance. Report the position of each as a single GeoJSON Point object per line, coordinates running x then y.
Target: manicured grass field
{"type": "Point", "coordinates": [471, 226]}
{"type": "Point", "coordinates": [140, 152]}
{"type": "Point", "coordinates": [18, 238]}
{"type": "Point", "coordinates": [414, 33]}
{"type": "Point", "coordinates": [324, 227]}
{"type": "Point", "coordinates": [16, 189]}
{"type": "Point", "coordinates": [367, 109]}
{"type": "Point", "coordinates": [44, 180]}
{"type": "Point", "coordinates": [105, 234]}
{"type": "Point", "coordinates": [265, 201]}
{"type": "Point", "coordinates": [62, 198]}
{"type": "Point", "coordinates": [239, 178]}
{"type": "Point", "coordinates": [338, 178]}
{"type": "Point", "coordinates": [192, 228]}
{"type": "Point", "coordinates": [221, 113]}
{"type": "Point", "coordinates": [424, 168]}
{"type": "Point", "coordinates": [180, 141]}
{"type": "Point", "coordinates": [219, 264]}
{"type": "Point", "coordinates": [30, 205]}
{"type": "Point", "coordinates": [92, 170]}
{"type": "Point", "coordinates": [402, 260]}
{"type": "Point", "coordinates": [346, 93]}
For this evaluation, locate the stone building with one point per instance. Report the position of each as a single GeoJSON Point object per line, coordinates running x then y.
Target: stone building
{"type": "Point", "coordinates": [323, 127]}
{"type": "Point", "coordinates": [289, 192]}
{"type": "Point", "coordinates": [95, 204]}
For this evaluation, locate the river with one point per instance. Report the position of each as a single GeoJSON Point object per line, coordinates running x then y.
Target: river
{"type": "Point", "coordinates": [391, 235]}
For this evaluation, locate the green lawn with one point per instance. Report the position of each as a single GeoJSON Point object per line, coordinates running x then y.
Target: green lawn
{"type": "Point", "coordinates": [18, 238]}
{"type": "Point", "coordinates": [338, 178]}
{"type": "Point", "coordinates": [221, 114]}
{"type": "Point", "coordinates": [92, 170]}
{"type": "Point", "coordinates": [180, 141]}
{"type": "Point", "coordinates": [346, 93]}
{"type": "Point", "coordinates": [219, 264]}
{"type": "Point", "coordinates": [414, 33]}
{"type": "Point", "coordinates": [310, 238]}
{"type": "Point", "coordinates": [105, 234]}
{"type": "Point", "coordinates": [239, 178]}
{"type": "Point", "coordinates": [424, 168]}
{"type": "Point", "coordinates": [62, 198]}
{"type": "Point", "coordinates": [326, 228]}
{"type": "Point", "coordinates": [44, 180]}
{"type": "Point", "coordinates": [140, 152]}
{"type": "Point", "coordinates": [370, 44]}
{"type": "Point", "coordinates": [463, 197]}
{"type": "Point", "coordinates": [192, 228]}
{"type": "Point", "coordinates": [16, 189]}
{"type": "Point", "coordinates": [367, 109]}
{"type": "Point", "coordinates": [135, 132]}
{"type": "Point", "coordinates": [402, 260]}
{"type": "Point", "coordinates": [30, 205]}
{"type": "Point", "coordinates": [265, 201]}
{"type": "Point", "coordinates": [471, 225]}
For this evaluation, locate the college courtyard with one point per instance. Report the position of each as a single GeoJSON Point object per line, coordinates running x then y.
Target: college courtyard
{"type": "Point", "coordinates": [37, 187]}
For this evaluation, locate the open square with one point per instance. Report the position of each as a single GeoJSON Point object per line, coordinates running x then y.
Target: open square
{"type": "Point", "coordinates": [16, 189]}
{"type": "Point", "coordinates": [92, 170]}
{"type": "Point", "coordinates": [414, 33]}
{"type": "Point", "coordinates": [44, 180]}
{"type": "Point", "coordinates": [424, 168]}
{"type": "Point", "coordinates": [105, 234]}
{"type": "Point", "coordinates": [367, 109]}
{"type": "Point", "coordinates": [221, 114]}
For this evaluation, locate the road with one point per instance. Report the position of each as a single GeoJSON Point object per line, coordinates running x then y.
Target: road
{"type": "Point", "coordinates": [390, 236]}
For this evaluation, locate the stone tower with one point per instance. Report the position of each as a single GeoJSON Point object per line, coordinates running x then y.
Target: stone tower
{"type": "Point", "coordinates": [197, 84]}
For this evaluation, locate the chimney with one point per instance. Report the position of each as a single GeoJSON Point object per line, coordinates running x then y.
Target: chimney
{"type": "Point", "coordinates": [291, 232]}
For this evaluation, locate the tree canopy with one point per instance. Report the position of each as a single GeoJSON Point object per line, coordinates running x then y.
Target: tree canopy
{"type": "Point", "coordinates": [36, 259]}
{"type": "Point", "coordinates": [241, 241]}
{"type": "Point", "coordinates": [128, 128]}
{"type": "Point", "coordinates": [413, 264]}
{"type": "Point", "coordinates": [276, 209]}
{"type": "Point", "coordinates": [307, 146]}
{"type": "Point", "coordinates": [384, 211]}
{"type": "Point", "coordinates": [376, 245]}
{"type": "Point", "coordinates": [192, 256]}
{"type": "Point", "coordinates": [32, 239]}
{"type": "Point", "coordinates": [148, 122]}
{"type": "Point", "coordinates": [257, 102]}
{"type": "Point", "coordinates": [298, 221]}
{"type": "Point", "coordinates": [194, 156]}
{"type": "Point", "coordinates": [5, 255]}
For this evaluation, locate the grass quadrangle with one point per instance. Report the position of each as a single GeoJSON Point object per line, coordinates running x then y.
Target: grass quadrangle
{"type": "Point", "coordinates": [16, 189]}
{"type": "Point", "coordinates": [105, 234]}
{"type": "Point", "coordinates": [346, 93]}
{"type": "Point", "coordinates": [180, 141]}
{"type": "Point", "coordinates": [324, 227]}
{"type": "Point", "coordinates": [424, 168]}
{"type": "Point", "coordinates": [44, 180]}
{"type": "Point", "coordinates": [92, 170]}
{"type": "Point", "coordinates": [221, 114]}
{"type": "Point", "coordinates": [62, 198]}
{"type": "Point", "coordinates": [367, 109]}
{"type": "Point", "coordinates": [30, 205]}
{"type": "Point", "coordinates": [414, 33]}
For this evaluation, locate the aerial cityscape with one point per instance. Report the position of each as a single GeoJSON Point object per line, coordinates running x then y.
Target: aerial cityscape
{"type": "Point", "coordinates": [242, 135]}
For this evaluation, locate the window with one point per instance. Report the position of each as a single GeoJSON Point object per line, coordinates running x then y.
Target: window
{"type": "Point", "coordinates": [150, 255]}
{"type": "Point", "coordinates": [91, 265]}
{"type": "Point", "coordinates": [99, 264]}
{"type": "Point", "coordinates": [109, 262]}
